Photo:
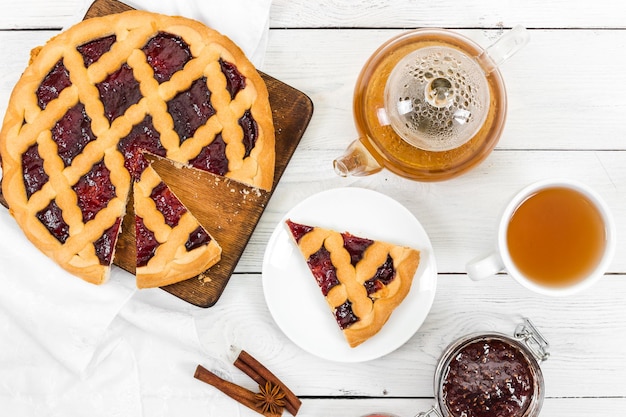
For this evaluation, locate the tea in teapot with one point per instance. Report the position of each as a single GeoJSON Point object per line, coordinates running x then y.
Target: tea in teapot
{"type": "Point", "coordinates": [429, 105]}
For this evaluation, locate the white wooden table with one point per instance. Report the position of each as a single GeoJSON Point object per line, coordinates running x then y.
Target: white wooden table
{"type": "Point", "coordinates": [567, 107]}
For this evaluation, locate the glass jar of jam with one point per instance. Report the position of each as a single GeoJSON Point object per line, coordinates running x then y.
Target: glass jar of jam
{"type": "Point", "coordinates": [491, 375]}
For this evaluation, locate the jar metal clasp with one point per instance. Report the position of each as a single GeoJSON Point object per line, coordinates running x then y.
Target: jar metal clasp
{"type": "Point", "coordinates": [534, 340]}
{"type": "Point", "coordinates": [433, 412]}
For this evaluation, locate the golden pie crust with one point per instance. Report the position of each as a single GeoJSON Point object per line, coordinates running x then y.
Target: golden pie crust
{"type": "Point", "coordinates": [373, 311]}
{"type": "Point", "coordinates": [27, 124]}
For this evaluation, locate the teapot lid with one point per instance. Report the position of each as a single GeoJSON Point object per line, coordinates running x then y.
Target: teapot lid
{"type": "Point", "coordinates": [437, 98]}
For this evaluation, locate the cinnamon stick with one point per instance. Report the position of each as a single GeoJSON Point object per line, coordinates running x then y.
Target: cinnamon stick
{"type": "Point", "coordinates": [260, 374]}
{"type": "Point", "coordinates": [234, 391]}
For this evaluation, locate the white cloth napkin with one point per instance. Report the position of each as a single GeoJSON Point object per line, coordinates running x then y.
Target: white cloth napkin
{"type": "Point", "coordinates": [142, 366]}
{"type": "Point", "coordinates": [69, 348]}
{"type": "Point", "coordinates": [65, 315]}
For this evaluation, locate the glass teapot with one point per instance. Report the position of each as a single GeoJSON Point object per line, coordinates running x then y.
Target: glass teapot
{"type": "Point", "coordinates": [429, 105]}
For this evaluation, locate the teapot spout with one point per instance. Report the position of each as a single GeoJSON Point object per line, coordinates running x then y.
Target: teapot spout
{"type": "Point", "coordinates": [356, 161]}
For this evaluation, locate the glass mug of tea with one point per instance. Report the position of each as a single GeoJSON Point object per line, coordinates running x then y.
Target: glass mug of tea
{"type": "Point", "coordinates": [429, 105]}
{"type": "Point", "coordinates": [555, 237]}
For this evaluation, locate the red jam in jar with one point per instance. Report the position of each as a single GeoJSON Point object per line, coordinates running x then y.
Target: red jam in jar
{"type": "Point", "coordinates": [489, 377]}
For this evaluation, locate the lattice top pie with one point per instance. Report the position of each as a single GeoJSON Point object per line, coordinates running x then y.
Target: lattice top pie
{"type": "Point", "coordinates": [92, 101]}
{"type": "Point", "coordinates": [363, 280]}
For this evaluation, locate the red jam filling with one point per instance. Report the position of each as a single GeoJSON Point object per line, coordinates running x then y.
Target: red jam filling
{"type": "Point", "coordinates": [235, 81]}
{"type": "Point", "coordinates": [94, 191]}
{"type": "Point", "coordinates": [118, 92]}
{"type": "Point", "coordinates": [92, 51]}
{"type": "Point", "coordinates": [56, 81]}
{"type": "Point", "coordinates": [105, 245]}
{"type": "Point", "coordinates": [197, 238]}
{"type": "Point", "coordinates": [191, 109]}
{"type": "Point", "coordinates": [167, 203]}
{"type": "Point", "coordinates": [52, 218]}
{"type": "Point", "coordinates": [72, 133]}
{"type": "Point", "coordinates": [142, 138]}
{"type": "Point", "coordinates": [345, 316]}
{"type": "Point", "coordinates": [298, 230]}
{"type": "Point", "coordinates": [146, 242]}
{"type": "Point", "coordinates": [212, 158]}
{"type": "Point", "coordinates": [323, 270]}
{"type": "Point", "coordinates": [250, 132]}
{"type": "Point", "coordinates": [32, 167]}
{"type": "Point", "coordinates": [488, 378]}
{"type": "Point", "coordinates": [166, 54]}
{"type": "Point", "coordinates": [383, 276]}
{"type": "Point", "coordinates": [355, 246]}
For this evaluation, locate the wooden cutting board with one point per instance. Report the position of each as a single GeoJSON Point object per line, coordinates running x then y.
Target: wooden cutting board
{"type": "Point", "coordinates": [229, 210]}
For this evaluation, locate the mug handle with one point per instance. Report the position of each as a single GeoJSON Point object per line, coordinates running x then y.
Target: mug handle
{"type": "Point", "coordinates": [484, 266]}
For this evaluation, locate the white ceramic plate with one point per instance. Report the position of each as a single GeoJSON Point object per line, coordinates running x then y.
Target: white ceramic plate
{"type": "Point", "coordinates": [296, 302]}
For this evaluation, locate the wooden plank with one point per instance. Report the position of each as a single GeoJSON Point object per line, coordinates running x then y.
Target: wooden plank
{"type": "Point", "coordinates": [578, 106]}
{"type": "Point", "coordinates": [586, 333]}
{"type": "Point", "coordinates": [355, 407]}
{"type": "Point", "coordinates": [377, 14]}
{"type": "Point", "coordinates": [447, 13]}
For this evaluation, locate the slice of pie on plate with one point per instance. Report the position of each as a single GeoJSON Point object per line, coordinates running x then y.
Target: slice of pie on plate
{"type": "Point", "coordinates": [363, 280]}
{"type": "Point", "coordinates": [98, 96]}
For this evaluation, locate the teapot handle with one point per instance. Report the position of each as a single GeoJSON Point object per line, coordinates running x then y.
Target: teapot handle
{"type": "Point", "coordinates": [504, 48]}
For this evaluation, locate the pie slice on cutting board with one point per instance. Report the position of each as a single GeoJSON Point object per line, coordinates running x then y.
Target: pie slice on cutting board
{"type": "Point", "coordinates": [97, 97]}
{"type": "Point", "coordinates": [362, 280]}
{"type": "Point", "coordinates": [170, 242]}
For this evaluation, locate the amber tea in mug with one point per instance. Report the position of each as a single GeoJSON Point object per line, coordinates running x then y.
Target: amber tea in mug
{"type": "Point", "coordinates": [556, 237]}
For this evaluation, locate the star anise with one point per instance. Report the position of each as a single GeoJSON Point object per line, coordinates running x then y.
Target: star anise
{"type": "Point", "coordinates": [271, 399]}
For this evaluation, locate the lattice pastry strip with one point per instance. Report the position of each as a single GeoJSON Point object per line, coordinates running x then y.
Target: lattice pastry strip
{"type": "Point", "coordinates": [101, 93]}
{"type": "Point", "coordinates": [362, 280]}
